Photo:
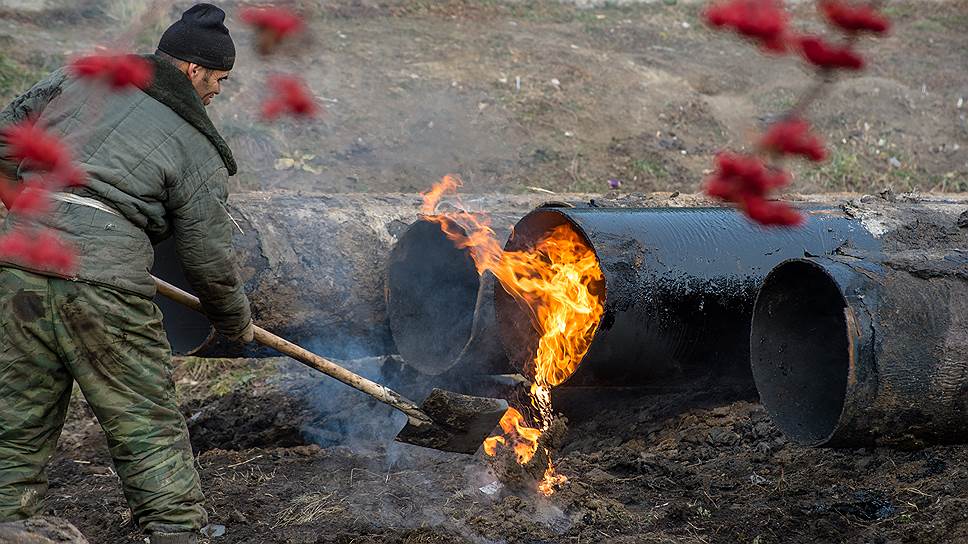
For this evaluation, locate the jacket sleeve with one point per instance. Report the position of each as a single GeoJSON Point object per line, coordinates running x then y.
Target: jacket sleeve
{"type": "Point", "coordinates": [25, 106]}
{"type": "Point", "coordinates": [202, 230]}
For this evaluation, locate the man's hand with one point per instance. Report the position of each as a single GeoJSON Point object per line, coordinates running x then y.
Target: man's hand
{"type": "Point", "coordinates": [247, 334]}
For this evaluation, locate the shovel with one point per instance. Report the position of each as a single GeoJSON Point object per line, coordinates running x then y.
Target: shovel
{"type": "Point", "coordinates": [446, 421]}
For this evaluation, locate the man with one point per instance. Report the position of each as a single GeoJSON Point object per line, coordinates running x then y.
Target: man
{"type": "Point", "coordinates": [156, 168]}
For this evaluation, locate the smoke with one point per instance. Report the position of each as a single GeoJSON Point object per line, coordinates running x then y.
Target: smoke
{"type": "Point", "coordinates": [344, 416]}
{"type": "Point", "coordinates": [362, 430]}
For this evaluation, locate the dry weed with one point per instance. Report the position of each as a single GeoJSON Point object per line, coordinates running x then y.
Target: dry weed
{"type": "Point", "coordinates": [308, 508]}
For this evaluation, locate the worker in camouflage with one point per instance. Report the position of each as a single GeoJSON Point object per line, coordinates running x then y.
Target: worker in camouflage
{"type": "Point", "coordinates": [57, 331]}
{"type": "Point", "coordinates": [156, 168]}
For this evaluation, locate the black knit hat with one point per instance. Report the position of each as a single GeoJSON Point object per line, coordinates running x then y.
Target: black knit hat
{"type": "Point", "coordinates": [200, 37]}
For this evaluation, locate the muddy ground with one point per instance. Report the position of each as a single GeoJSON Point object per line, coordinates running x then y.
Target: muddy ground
{"type": "Point", "coordinates": [287, 457]}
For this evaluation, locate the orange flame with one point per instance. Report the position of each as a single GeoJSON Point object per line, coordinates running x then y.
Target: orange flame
{"type": "Point", "coordinates": [432, 197]}
{"type": "Point", "coordinates": [551, 481]}
{"type": "Point", "coordinates": [560, 280]}
{"type": "Point", "coordinates": [523, 439]}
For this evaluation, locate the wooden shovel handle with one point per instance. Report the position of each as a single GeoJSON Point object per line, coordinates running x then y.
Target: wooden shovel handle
{"type": "Point", "coordinates": [379, 392]}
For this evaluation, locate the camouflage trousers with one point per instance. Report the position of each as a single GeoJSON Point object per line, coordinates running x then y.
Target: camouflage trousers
{"type": "Point", "coordinates": [53, 332]}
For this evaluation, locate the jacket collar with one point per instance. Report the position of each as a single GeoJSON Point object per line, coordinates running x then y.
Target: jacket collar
{"type": "Point", "coordinates": [173, 89]}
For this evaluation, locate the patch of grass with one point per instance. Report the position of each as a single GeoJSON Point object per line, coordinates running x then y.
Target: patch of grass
{"type": "Point", "coordinates": [530, 110]}
{"type": "Point", "coordinates": [651, 168]}
{"type": "Point", "coordinates": [950, 21]}
{"type": "Point", "coordinates": [904, 179]}
{"type": "Point", "coordinates": [928, 25]}
{"type": "Point", "coordinates": [145, 21]}
{"type": "Point", "coordinates": [842, 171]}
{"type": "Point", "coordinates": [124, 12]}
{"type": "Point", "coordinates": [545, 155]}
{"type": "Point", "coordinates": [531, 10]}
{"type": "Point", "coordinates": [309, 508]}
{"type": "Point", "coordinates": [846, 170]}
{"type": "Point", "coordinates": [780, 99]}
{"type": "Point", "coordinates": [232, 381]}
{"type": "Point", "coordinates": [201, 377]}
{"type": "Point", "coordinates": [899, 11]}
{"type": "Point", "coordinates": [15, 78]}
{"type": "Point", "coordinates": [952, 182]}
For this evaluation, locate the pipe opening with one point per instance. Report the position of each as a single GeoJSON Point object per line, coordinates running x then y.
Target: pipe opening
{"type": "Point", "coordinates": [551, 322]}
{"type": "Point", "coordinates": [800, 350]}
{"type": "Point", "coordinates": [188, 331]}
{"type": "Point", "coordinates": [432, 291]}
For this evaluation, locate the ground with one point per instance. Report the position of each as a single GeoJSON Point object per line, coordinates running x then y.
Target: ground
{"type": "Point", "coordinates": [288, 457]}
{"type": "Point", "coordinates": [516, 96]}
{"type": "Point", "coordinates": [523, 94]}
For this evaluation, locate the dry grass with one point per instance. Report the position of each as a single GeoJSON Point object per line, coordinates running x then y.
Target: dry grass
{"type": "Point", "coordinates": [15, 77]}
{"type": "Point", "coordinates": [200, 378]}
{"type": "Point", "coordinates": [143, 22]}
{"type": "Point", "coordinates": [125, 12]}
{"type": "Point", "coordinates": [309, 508]}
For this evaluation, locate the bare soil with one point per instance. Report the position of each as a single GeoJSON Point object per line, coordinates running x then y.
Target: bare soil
{"type": "Point", "coordinates": [287, 456]}
{"type": "Point", "coordinates": [522, 94]}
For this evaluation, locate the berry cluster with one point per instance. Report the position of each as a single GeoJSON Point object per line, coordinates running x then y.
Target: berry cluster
{"type": "Point", "coordinates": [53, 169]}
{"type": "Point", "coordinates": [290, 95]}
{"type": "Point", "coordinates": [117, 71]}
{"type": "Point", "coordinates": [747, 180]}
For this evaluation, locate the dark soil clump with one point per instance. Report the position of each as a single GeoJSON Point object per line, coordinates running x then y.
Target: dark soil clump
{"type": "Point", "coordinates": [240, 421]}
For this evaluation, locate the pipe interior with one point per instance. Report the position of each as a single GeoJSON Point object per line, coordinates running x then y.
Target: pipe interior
{"type": "Point", "coordinates": [800, 351]}
{"type": "Point", "coordinates": [431, 294]}
{"type": "Point", "coordinates": [187, 330]}
{"type": "Point", "coordinates": [518, 334]}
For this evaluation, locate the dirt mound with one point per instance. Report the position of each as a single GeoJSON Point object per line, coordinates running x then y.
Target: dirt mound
{"type": "Point", "coordinates": [515, 95]}
{"type": "Point", "coordinates": [241, 421]}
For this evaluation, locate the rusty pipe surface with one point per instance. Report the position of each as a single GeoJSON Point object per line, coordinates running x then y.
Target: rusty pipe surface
{"type": "Point", "coordinates": [680, 284]}
{"type": "Point", "coordinates": [850, 351]}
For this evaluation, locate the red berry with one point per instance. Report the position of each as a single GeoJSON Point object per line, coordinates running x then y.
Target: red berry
{"type": "Point", "coordinates": [820, 53]}
{"type": "Point", "coordinates": [117, 71]}
{"type": "Point", "coordinates": [793, 137]}
{"type": "Point", "coordinates": [854, 18]}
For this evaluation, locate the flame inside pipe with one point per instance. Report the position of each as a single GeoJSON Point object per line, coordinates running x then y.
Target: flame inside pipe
{"type": "Point", "coordinates": [560, 281]}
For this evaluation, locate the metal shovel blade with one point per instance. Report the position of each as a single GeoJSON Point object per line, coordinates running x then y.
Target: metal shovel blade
{"type": "Point", "coordinates": [459, 423]}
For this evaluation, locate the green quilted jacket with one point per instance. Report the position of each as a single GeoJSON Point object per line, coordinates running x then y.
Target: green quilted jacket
{"type": "Point", "coordinates": [155, 158]}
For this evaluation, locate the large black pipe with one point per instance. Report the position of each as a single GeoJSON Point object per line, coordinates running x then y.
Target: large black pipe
{"type": "Point", "coordinates": [440, 310]}
{"type": "Point", "coordinates": [679, 287]}
{"type": "Point", "coordinates": [315, 269]}
{"type": "Point", "coordinates": [859, 352]}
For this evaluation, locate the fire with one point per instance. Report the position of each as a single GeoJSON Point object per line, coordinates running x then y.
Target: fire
{"type": "Point", "coordinates": [523, 439]}
{"type": "Point", "coordinates": [551, 481]}
{"type": "Point", "coordinates": [560, 280]}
